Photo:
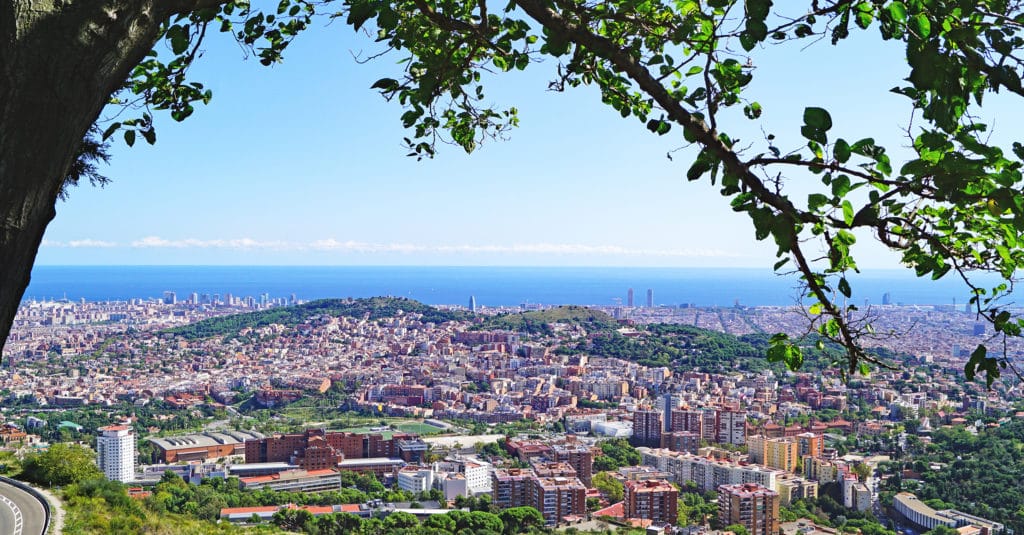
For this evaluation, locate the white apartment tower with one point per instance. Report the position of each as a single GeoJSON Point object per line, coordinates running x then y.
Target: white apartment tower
{"type": "Point", "coordinates": [116, 448]}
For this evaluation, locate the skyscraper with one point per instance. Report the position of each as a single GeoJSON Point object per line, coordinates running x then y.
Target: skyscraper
{"type": "Point", "coordinates": [472, 303]}
{"type": "Point", "coordinates": [650, 298]}
{"type": "Point", "coordinates": [116, 452]}
{"type": "Point", "coordinates": [886, 298]}
{"type": "Point", "coordinates": [629, 297]}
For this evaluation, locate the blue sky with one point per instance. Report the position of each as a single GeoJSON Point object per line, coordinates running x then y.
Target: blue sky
{"type": "Point", "coordinates": [302, 164]}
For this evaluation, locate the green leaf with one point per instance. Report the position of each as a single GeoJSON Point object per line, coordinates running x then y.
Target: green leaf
{"type": "Point", "coordinates": [385, 83]}
{"type": "Point", "coordinates": [814, 134]}
{"type": "Point", "coordinates": [816, 200]}
{"type": "Point", "coordinates": [841, 151]}
{"type": "Point", "coordinates": [129, 137]}
{"type": "Point", "coordinates": [898, 12]}
{"type": "Point", "coordinates": [817, 118]}
{"type": "Point", "coordinates": [360, 13]}
{"type": "Point", "coordinates": [178, 35]}
{"type": "Point", "coordinates": [110, 131]}
{"type": "Point", "coordinates": [815, 309]}
{"type": "Point", "coordinates": [921, 26]}
{"type": "Point", "coordinates": [841, 186]}
{"type": "Point", "coordinates": [844, 287]}
{"type": "Point", "coordinates": [848, 212]}
{"type": "Point", "coordinates": [865, 14]}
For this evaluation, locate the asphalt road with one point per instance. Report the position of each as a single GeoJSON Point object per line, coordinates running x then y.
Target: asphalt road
{"type": "Point", "coordinates": [20, 513]}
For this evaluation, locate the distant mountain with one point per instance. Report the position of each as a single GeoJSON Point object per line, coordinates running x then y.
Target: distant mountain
{"type": "Point", "coordinates": [373, 308]}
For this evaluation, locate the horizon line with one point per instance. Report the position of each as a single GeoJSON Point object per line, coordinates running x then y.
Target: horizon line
{"type": "Point", "coordinates": [481, 266]}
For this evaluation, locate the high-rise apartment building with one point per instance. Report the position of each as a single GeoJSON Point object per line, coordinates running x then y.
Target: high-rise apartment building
{"type": "Point", "coordinates": [810, 444]}
{"type": "Point", "coordinates": [511, 488]}
{"type": "Point", "coordinates": [687, 441]}
{"type": "Point", "coordinates": [558, 497]}
{"type": "Point", "coordinates": [647, 428]}
{"type": "Point", "coordinates": [555, 497]}
{"type": "Point", "coordinates": [778, 452]}
{"type": "Point", "coordinates": [751, 506]}
{"type": "Point", "coordinates": [756, 449]}
{"type": "Point", "coordinates": [686, 420]}
{"type": "Point", "coordinates": [650, 298]}
{"type": "Point", "coordinates": [116, 449]}
{"type": "Point", "coordinates": [668, 403]}
{"type": "Point", "coordinates": [654, 499]}
{"type": "Point", "coordinates": [781, 453]}
{"type": "Point", "coordinates": [732, 427]}
{"type": "Point", "coordinates": [578, 456]}
{"type": "Point", "coordinates": [709, 425]}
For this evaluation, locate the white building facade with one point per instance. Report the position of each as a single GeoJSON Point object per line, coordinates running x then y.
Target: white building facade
{"type": "Point", "coordinates": [116, 452]}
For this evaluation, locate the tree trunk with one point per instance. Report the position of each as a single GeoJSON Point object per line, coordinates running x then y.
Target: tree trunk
{"type": "Point", "coordinates": [60, 61]}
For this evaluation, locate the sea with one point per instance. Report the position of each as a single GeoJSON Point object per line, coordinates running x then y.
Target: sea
{"type": "Point", "coordinates": [489, 286]}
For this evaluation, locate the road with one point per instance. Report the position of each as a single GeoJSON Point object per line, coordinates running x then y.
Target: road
{"type": "Point", "coordinates": [20, 513]}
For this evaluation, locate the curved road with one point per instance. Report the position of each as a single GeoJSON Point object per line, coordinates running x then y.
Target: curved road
{"type": "Point", "coordinates": [20, 513]}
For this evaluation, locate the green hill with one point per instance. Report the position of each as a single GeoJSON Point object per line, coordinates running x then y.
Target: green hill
{"type": "Point", "coordinates": [538, 321]}
{"type": "Point", "coordinates": [373, 308]}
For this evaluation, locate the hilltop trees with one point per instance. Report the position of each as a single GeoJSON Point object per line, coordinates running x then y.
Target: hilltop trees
{"type": "Point", "coordinates": [953, 208]}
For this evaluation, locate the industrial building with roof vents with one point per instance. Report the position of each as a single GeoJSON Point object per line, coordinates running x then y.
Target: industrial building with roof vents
{"type": "Point", "coordinates": [201, 447]}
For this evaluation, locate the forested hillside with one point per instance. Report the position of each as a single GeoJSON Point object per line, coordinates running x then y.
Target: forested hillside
{"type": "Point", "coordinates": [373, 308]}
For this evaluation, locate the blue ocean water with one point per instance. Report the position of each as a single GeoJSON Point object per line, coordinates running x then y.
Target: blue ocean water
{"type": "Point", "coordinates": [492, 286]}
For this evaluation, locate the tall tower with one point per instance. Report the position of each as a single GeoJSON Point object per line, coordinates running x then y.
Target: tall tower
{"type": "Point", "coordinates": [472, 303]}
{"type": "Point", "coordinates": [629, 298]}
{"type": "Point", "coordinates": [116, 449]}
{"type": "Point", "coordinates": [650, 298]}
{"type": "Point", "coordinates": [668, 404]}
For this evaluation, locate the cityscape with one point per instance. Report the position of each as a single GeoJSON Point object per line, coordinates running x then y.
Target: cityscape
{"type": "Point", "coordinates": [537, 267]}
{"type": "Point", "coordinates": [631, 416]}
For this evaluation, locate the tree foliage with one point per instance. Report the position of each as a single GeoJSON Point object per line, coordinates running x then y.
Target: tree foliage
{"type": "Point", "coordinates": [616, 453]}
{"type": "Point", "coordinates": [609, 486]}
{"type": "Point", "coordinates": [372, 308]}
{"type": "Point", "coordinates": [520, 519]}
{"type": "Point", "coordinates": [60, 465]}
{"type": "Point", "coordinates": [988, 465]}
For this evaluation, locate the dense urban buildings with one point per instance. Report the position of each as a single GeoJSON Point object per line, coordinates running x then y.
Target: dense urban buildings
{"type": "Point", "coordinates": [555, 398]}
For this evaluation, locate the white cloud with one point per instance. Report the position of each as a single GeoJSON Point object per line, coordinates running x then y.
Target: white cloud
{"type": "Point", "coordinates": [192, 243]}
{"type": "Point", "coordinates": [353, 246]}
{"type": "Point", "coordinates": [360, 247]}
{"type": "Point", "coordinates": [76, 244]}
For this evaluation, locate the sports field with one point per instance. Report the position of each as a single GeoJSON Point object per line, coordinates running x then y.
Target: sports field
{"type": "Point", "coordinates": [405, 426]}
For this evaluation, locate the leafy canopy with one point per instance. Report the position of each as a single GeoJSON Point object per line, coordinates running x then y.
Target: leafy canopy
{"type": "Point", "coordinates": [954, 208]}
